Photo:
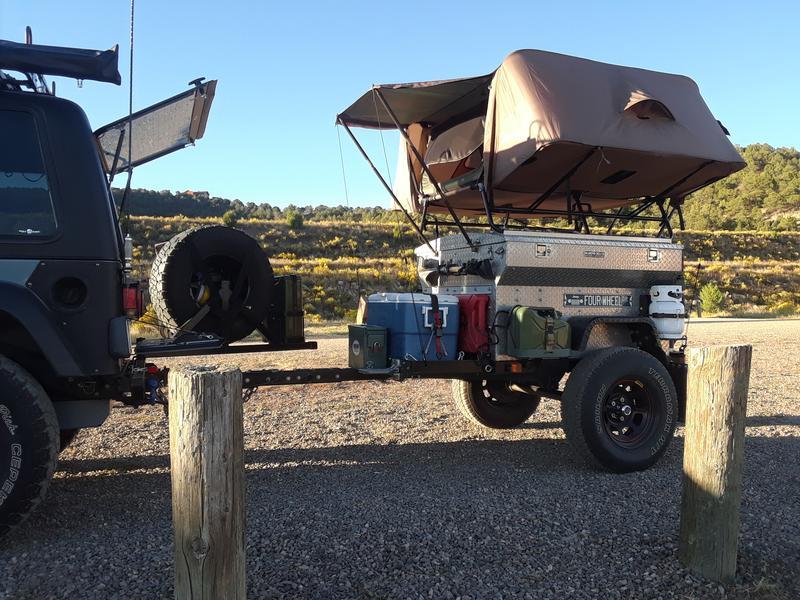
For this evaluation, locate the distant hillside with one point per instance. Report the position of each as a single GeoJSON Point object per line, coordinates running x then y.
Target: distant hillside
{"type": "Point", "coordinates": [745, 230]}
{"type": "Point", "coordinates": [758, 270]}
{"type": "Point", "coordinates": [763, 196]}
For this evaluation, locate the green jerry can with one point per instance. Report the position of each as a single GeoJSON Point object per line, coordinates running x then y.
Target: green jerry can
{"type": "Point", "coordinates": [367, 347]}
{"type": "Point", "coordinates": [537, 333]}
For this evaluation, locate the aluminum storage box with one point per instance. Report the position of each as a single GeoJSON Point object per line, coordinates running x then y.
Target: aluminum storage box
{"type": "Point", "coordinates": [579, 275]}
{"type": "Point", "coordinates": [408, 319]}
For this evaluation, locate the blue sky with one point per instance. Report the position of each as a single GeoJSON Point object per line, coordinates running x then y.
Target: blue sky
{"type": "Point", "coordinates": [285, 69]}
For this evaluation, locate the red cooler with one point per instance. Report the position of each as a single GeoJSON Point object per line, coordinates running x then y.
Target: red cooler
{"type": "Point", "coordinates": [473, 331]}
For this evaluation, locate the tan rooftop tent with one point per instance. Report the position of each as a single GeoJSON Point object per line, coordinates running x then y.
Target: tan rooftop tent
{"type": "Point", "coordinates": [549, 134]}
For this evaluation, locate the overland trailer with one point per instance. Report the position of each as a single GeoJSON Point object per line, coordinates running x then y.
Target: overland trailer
{"type": "Point", "coordinates": [548, 137]}
{"type": "Point", "coordinates": [534, 305]}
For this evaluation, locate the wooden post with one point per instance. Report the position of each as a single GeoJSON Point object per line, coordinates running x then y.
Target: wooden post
{"type": "Point", "coordinates": [206, 442]}
{"type": "Point", "coordinates": [712, 459]}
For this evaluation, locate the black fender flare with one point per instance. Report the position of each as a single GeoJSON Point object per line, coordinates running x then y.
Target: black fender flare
{"type": "Point", "coordinates": [28, 309]}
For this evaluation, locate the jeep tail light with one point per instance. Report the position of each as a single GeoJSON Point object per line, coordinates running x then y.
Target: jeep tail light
{"type": "Point", "coordinates": [133, 300]}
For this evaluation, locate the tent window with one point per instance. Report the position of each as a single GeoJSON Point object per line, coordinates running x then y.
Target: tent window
{"type": "Point", "coordinates": [649, 109]}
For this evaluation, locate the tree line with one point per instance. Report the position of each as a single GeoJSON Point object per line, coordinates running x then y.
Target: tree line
{"type": "Point", "coordinates": [765, 195]}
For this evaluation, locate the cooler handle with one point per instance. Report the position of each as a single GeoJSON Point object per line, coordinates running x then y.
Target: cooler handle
{"type": "Point", "coordinates": [426, 311]}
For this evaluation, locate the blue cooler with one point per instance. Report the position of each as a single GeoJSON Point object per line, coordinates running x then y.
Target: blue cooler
{"type": "Point", "coordinates": [408, 319]}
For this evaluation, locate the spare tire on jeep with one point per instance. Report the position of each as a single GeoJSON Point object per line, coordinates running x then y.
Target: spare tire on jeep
{"type": "Point", "coordinates": [215, 269]}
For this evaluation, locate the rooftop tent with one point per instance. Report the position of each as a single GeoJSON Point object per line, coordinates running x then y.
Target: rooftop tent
{"type": "Point", "coordinates": [626, 132]}
{"type": "Point", "coordinates": [553, 126]}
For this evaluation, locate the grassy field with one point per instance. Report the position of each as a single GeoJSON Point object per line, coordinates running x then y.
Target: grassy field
{"type": "Point", "coordinates": [759, 272]}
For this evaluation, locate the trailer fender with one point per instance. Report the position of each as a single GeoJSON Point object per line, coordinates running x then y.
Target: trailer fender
{"type": "Point", "coordinates": [594, 333]}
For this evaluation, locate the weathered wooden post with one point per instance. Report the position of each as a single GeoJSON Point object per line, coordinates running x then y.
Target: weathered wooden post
{"type": "Point", "coordinates": [206, 442]}
{"type": "Point", "coordinates": [712, 459]}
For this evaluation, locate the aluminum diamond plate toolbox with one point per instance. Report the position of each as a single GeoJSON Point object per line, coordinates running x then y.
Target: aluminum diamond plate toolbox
{"type": "Point", "coordinates": [577, 274]}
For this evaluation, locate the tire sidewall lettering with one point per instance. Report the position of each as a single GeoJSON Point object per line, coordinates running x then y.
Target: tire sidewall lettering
{"type": "Point", "coordinates": [598, 409]}
{"type": "Point", "coordinates": [14, 455]}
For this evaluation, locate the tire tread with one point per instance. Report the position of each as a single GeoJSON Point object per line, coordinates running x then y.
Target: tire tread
{"type": "Point", "coordinates": [46, 455]}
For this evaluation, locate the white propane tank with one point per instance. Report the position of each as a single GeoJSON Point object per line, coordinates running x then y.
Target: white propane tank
{"type": "Point", "coordinates": [667, 311]}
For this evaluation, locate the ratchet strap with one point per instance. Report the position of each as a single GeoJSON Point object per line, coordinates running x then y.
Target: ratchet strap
{"type": "Point", "coordinates": [436, 328]}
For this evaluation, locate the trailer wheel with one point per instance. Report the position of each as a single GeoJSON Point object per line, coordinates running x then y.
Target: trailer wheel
{"type": "Point", "coordinates": [29, 441]}
{"type": "Point", "coordinates": [619, 409]}
{"type": "Point", "coordinates": [217, 267]}
{"type": "Point", "coordinates": [493, 404]}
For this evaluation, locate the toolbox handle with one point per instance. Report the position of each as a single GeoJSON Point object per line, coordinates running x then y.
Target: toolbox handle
{"type": "Point", "coordinates": [426, 311]}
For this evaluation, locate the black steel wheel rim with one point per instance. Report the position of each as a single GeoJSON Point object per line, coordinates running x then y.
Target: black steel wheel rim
{"type": "Point", "coordinates": [629, 413]}
{"type": "Point", "coordinates": [498, 393]}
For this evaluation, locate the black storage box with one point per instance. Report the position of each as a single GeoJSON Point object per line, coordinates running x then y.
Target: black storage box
{"type": "Point", "coordinates": [284, 322]}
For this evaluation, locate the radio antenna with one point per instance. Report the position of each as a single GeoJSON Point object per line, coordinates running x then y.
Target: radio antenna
{"type": "Point", "coordinates": [130, 126]}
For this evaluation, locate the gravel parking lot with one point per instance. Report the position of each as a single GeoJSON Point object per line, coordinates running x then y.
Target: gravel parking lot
{"type": "Point", "coordinates": [376, 490]}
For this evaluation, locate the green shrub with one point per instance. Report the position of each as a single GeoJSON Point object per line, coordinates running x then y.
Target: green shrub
{"type": "Point", "coordinates": [230, 218]}
{"type": "Point", "coordinates": [294, 219]}
{"type": "Point", "coordinates": [783, 309]}
{"type": "Point", "coordinates": [711, 298]}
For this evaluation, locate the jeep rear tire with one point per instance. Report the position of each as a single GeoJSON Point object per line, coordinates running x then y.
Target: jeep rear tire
{"type": "Point", "coordinates": [197, 267]}
{"type": "Point", "coordinates": [493, 404]}
{"type": "Point", "coordinates": [29, 441]}
{"type": "Point", "coordinates": [619, 409]}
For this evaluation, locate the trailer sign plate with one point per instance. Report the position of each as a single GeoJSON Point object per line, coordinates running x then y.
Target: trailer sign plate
{"type": "Point", "coordinates": [597, 300]}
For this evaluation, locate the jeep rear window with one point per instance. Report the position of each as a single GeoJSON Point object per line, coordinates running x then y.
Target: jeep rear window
{"type": "Point", "coordinates": [26, 207]}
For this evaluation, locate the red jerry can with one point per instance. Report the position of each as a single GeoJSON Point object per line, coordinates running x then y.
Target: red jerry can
{"type": "Point", "coordinates": [473, 331]}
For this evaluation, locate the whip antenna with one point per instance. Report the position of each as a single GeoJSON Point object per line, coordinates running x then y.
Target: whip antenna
{"type": "Point", "coordinates": [130, 124]}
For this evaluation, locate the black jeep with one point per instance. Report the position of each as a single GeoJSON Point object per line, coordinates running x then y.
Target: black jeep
{"type": "Point", "coordinates": [65, 292]}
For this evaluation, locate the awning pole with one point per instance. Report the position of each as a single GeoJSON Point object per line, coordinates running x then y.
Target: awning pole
{"type": "Point", "coordinates": [422, 163]}
{"type": "Point", "coordinates": [386, 185]}
{"type": "Point", "coordinates": [459, 225]}
{"type": "Point", "coordinates": [403, 132]}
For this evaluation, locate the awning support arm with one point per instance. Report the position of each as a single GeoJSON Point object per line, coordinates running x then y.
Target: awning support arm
{"type": "Point", "coordinates": [386, 185]}
{"type": "Point", "coordinates": [421, 160]}
{"type": "Point", "coordinates": [404, 133]}
{"type": "Point", "coordinates": [460, 225]}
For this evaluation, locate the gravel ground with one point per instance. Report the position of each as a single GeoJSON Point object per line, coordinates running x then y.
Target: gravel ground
{"type": "Point", "coordinates": [376, 490]}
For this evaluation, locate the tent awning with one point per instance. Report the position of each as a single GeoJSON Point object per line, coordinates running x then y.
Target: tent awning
{"type": "Point", "coordinates": [432, 103]}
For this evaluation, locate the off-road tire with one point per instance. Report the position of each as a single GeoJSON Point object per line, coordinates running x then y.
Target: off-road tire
{"type": "Point", "coordinates": [184, 256]}
{"type": "Point", "coordinates": [492, 404]}
{"type": "Point", "coordinates": [66, 436]}
{"type": "Point", "coordinates": [588, 418]}
{"type": "Point", "coordinates": [29, 440]}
